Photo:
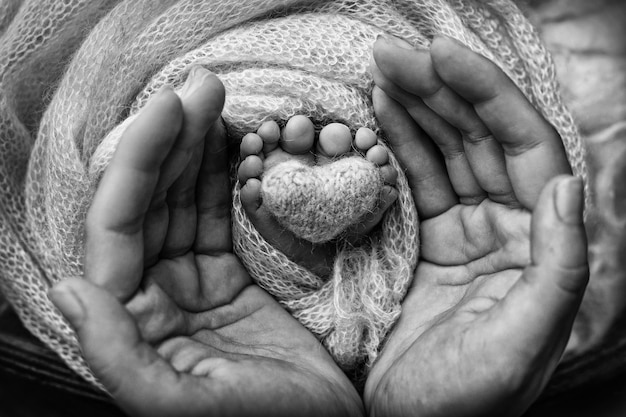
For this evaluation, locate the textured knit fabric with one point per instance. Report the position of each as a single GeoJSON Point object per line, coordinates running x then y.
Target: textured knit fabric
{"type": "Point", "coordinates": [317, 203]}
{"type": "Point", "coordinates": [72, 71]}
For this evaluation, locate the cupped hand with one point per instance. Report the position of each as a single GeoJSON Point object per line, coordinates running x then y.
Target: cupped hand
{"type": "Point", "coordinates": [503, 260]}
{"type": "Point", "coordinates": [167, 317]}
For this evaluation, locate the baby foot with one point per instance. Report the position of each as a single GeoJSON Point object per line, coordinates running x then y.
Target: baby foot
{"type": "Point", "coordinates": [269, 152]}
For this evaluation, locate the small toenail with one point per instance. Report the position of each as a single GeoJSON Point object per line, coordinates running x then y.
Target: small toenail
{"type": "Point", "coordinates": [365, 139]}
{"type": "Point", "coordinates": [400, 43]}
{"type": "Point", "coordinates": [377, 155]}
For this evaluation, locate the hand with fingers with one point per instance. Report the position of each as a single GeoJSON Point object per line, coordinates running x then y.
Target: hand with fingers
{"type": "Point", "coordinates": [504, 256]}
{"type": "Point", "coordinates": [167, 317]}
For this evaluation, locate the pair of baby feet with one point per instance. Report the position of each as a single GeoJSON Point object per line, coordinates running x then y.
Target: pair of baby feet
{"type": "Point", "coordinates": [271, 146]}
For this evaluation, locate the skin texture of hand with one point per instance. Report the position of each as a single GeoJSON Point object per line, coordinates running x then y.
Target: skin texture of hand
{"type": "Point", "coordinates": [504, 258]}
{"type": "Point", "coordinates": [167, 317]}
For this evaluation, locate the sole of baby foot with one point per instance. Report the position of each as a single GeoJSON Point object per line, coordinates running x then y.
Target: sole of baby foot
{"type": "Point", "coordinates": [270, 146]}
{"type": "Point", "coordinates": [262, 150]}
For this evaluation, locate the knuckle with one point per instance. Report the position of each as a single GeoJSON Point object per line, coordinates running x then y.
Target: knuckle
{"type": "Point", "coordinates": [477, 137]}
{"type": "Point", "coordinates": [571, 279]}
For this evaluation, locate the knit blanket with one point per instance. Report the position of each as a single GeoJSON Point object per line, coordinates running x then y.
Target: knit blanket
{"type": "Point", "coordinates": [72, 73]}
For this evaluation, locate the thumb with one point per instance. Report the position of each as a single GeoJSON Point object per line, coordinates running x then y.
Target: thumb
{"type": "Point", "coordinates": [540, 308]}
{"type": "Point", "coordinates": [130, 369]}
{"type": "Point", "coordinates": [559, 269]}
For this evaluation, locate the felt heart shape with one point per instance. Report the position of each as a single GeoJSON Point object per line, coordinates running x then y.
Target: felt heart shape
{"type": "Point", "coordinates": [319, 202]}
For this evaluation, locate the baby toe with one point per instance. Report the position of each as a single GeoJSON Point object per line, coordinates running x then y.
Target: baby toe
{"type": "Point", "coordinates": [389, 174]}
{"type": "Point", "coordinates": [251, 144]}
{"type": "Point", "coordinates": [298, 135]}
{"type": "Point", "coordinates": [388, 196]}
{"type": "Point", "coordinates": [335, 140]}
{"type": "Point", "coordinates": [270, 134]}
{"type": "Point", "coordinates": [250, 195]}
{"type": "Point", "coordinates": [250, 167]}
{"type": "Point", "coordinates": [365, 139]}
{"type": "Point", "coordinates": [377, 155]}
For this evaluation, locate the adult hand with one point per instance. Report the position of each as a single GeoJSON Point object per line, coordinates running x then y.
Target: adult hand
{"type": "Point", "coordinates": [503, 260]}
{"type": "Point", "coordinates": [167, 316]}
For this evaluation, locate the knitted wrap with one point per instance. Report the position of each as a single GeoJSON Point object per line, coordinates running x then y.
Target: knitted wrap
{"type": "Point", "coordinates": [73, 71]}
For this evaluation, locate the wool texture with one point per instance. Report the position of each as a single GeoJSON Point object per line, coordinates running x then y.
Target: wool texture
{"type": "Point", "coordinates": [73, 73]}
{"type": "Point", "coordinates": [317, 203]}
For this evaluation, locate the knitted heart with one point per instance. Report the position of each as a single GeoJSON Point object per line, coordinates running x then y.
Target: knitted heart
{"type": "Point", "coordinates": [319, 202]}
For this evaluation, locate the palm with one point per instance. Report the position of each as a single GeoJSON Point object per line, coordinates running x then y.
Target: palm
{"type": "Point", "coordinates": [196, 336]}
{"type": "Point", "coordinates": [230, 333]}
{"type": "Point", "coordinates": [471, 255]}
{"type": "Point", "coordinates": [450, 313]}
{"type": "Point", "coordinates": [491, 304]}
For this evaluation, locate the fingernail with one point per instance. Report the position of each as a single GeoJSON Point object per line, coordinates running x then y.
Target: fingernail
{"type": "Point", "coordinates": [569, 200]}
{"type": "Point", "coordinates": [198, 74]}
{"type": "Point", "coordinates": [400, 43]}
{"type": "Point", "coordinates": [159, 95]}
{"type": "Point", "coordinates": [196, 77]}
{"type": "Point", "coordinates": [162, 91]}
{"type": "Point", "coordinates": [382, 37]}
{"type": "Point", "coordinates": [70, 305]}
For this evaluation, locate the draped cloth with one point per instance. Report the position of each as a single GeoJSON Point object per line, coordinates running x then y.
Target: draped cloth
{"type": "Point", "coordinates": [72, 71]}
